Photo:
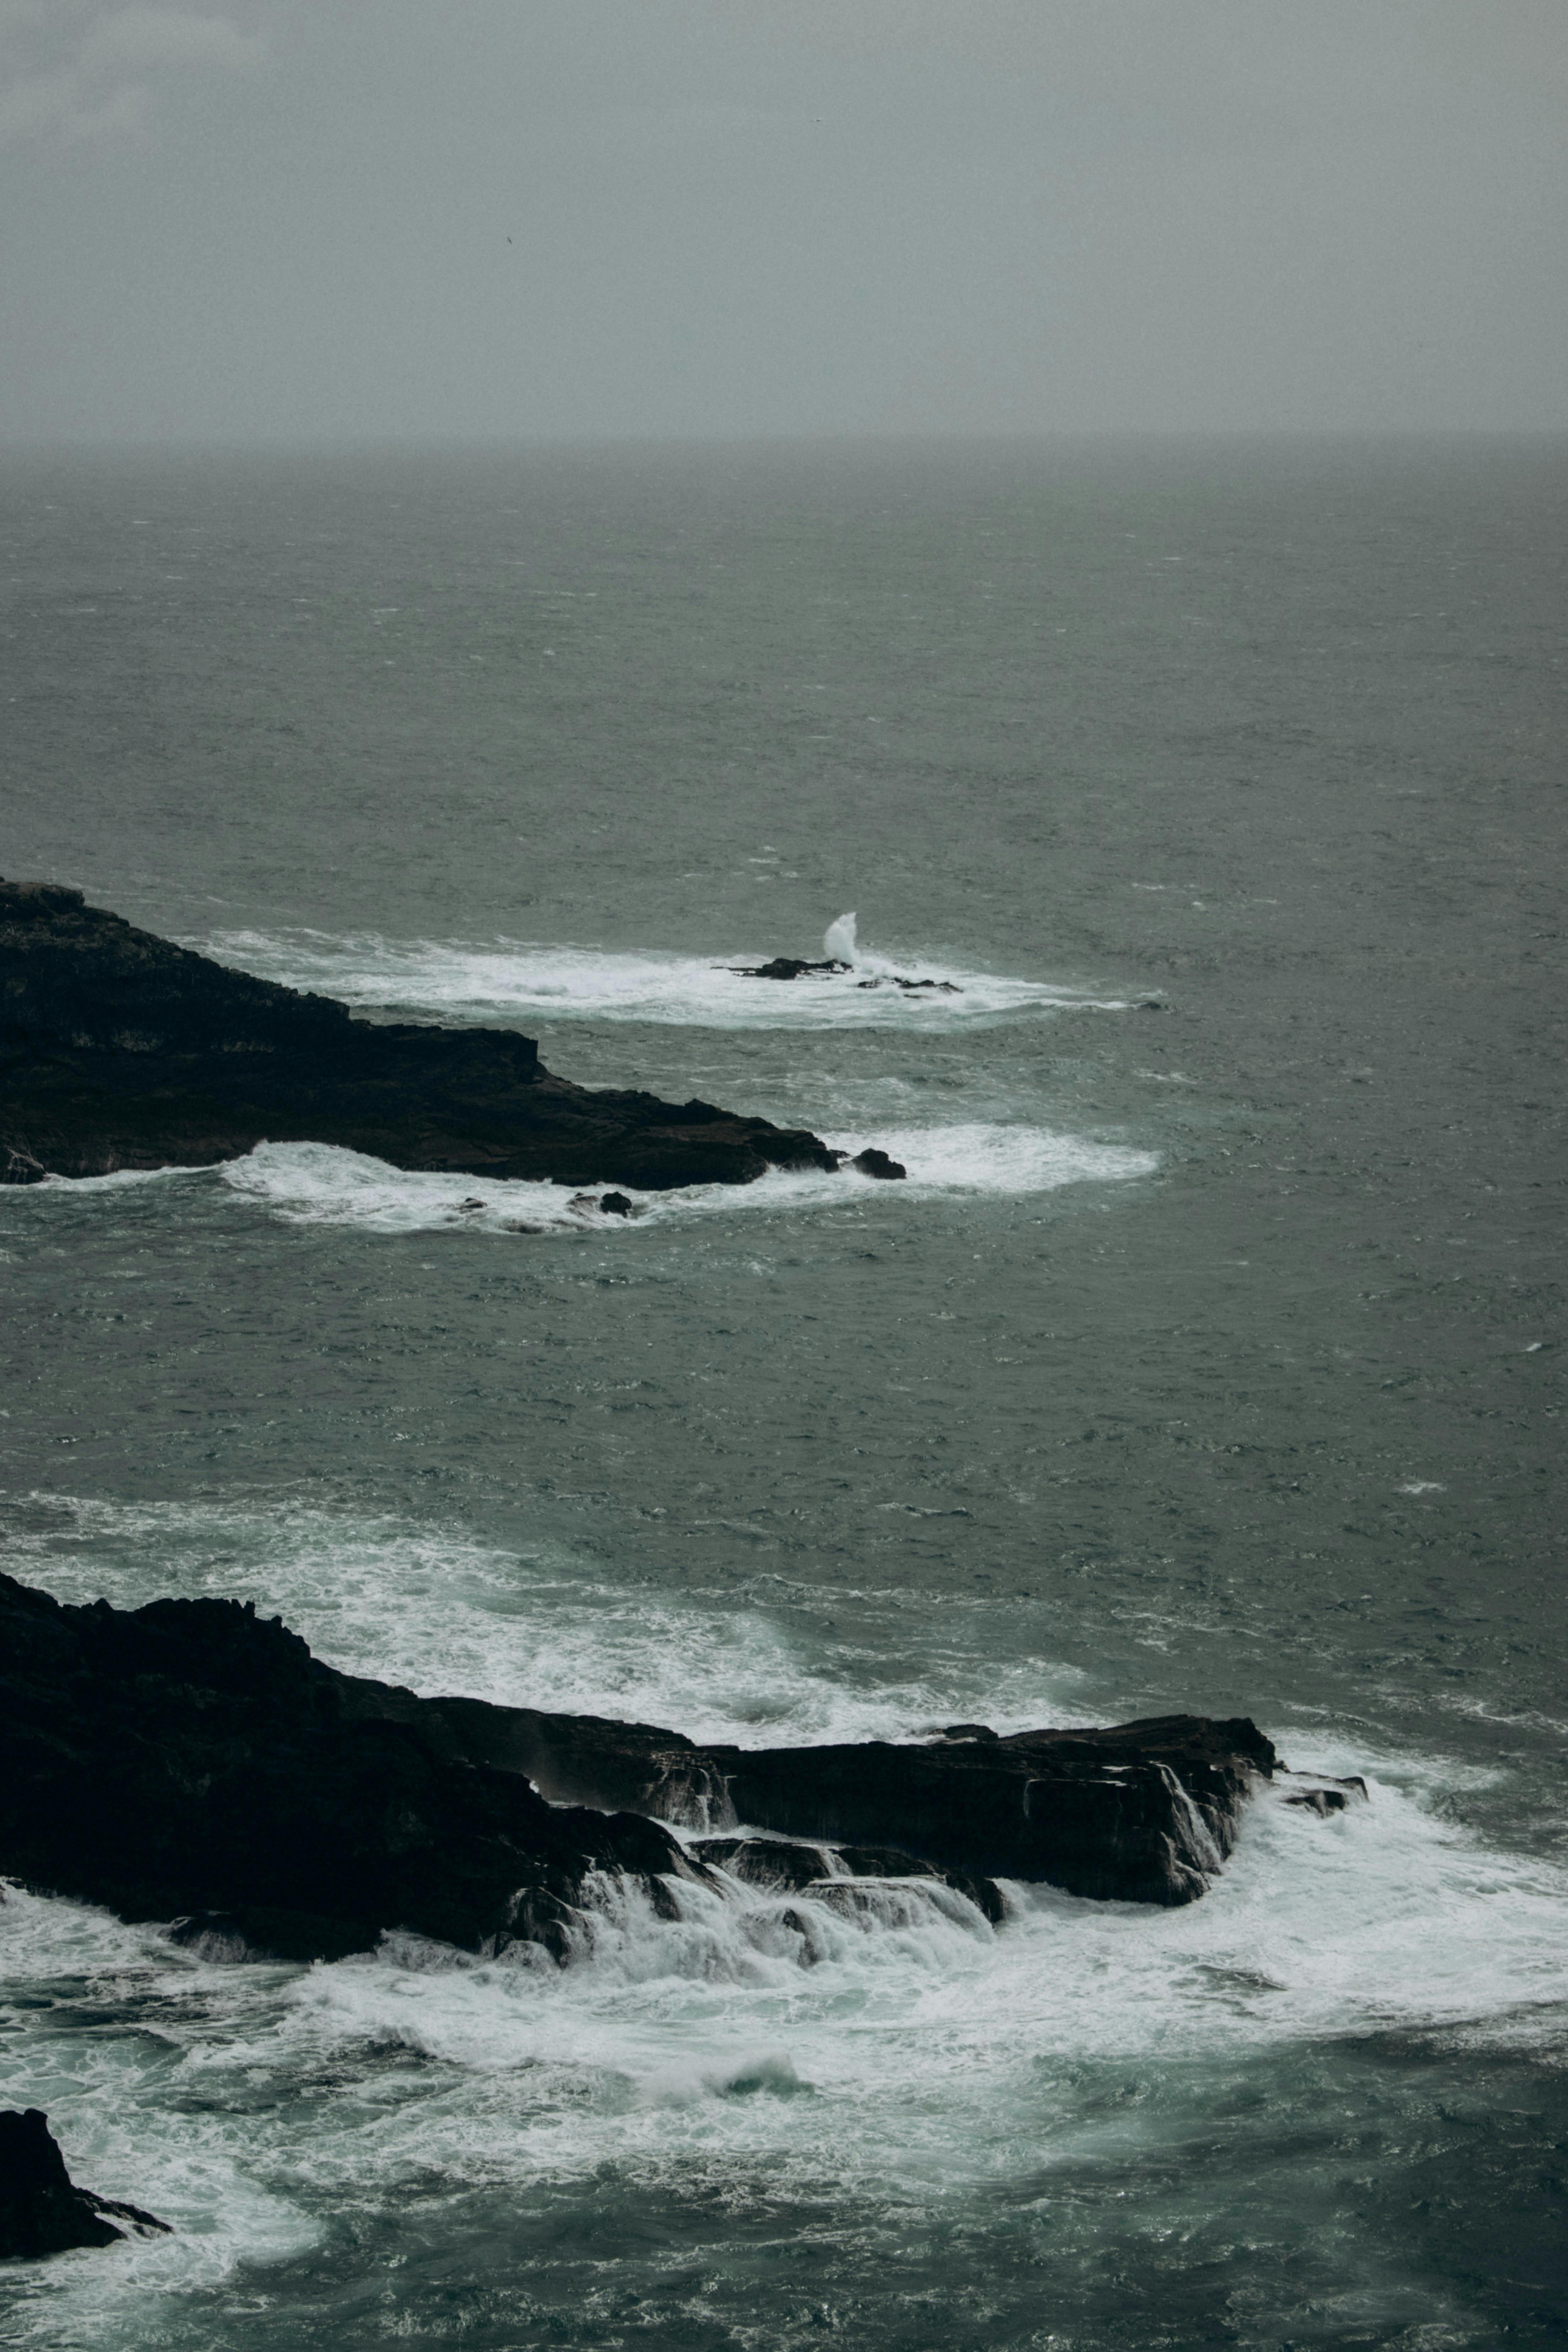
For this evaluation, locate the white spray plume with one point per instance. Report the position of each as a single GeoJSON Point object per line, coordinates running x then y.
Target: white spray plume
{"type": "Point", "coordinates": [838, 939]}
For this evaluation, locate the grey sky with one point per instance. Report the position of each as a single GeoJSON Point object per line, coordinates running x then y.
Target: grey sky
{"type": "Point", "coordinates": [287, 219]}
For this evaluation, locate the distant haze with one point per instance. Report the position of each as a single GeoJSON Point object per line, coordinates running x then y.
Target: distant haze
{"type": "Point", "coordinates": [287, 220]}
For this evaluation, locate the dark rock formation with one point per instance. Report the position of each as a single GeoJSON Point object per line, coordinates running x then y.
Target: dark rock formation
{"type": "Point", "coordinates": [190, 1757]}
{"type": "Point", "coordinates": [1144, 1812]}
{"type": "Point", "coordinates": [779, 1865]}
{"type": "Point", "coordinates": [894, 979]}
{"type": "Point", "coordinates": [119, 1050]}
{"type": "Point", "coordinates": [1327, 1795]}
{"type": "Point", "coordinates": [873, 1162]}
{"type": "Point", "coordinates": [784, 968]}
{"type": "Point", "coordinates": [797, 968]}
{"type": "Point", "coordinates": [42, 2211]}
{"type": "Point", "coordinates": [191, 1762]}
{"type": "Point", "coordinates": [785, 1865]}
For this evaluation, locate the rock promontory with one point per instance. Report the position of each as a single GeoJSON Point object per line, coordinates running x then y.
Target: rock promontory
{"type": "Point", "coordinates": [119, 1050]}
{"type": "Point", "coordinates": [191, 1762]}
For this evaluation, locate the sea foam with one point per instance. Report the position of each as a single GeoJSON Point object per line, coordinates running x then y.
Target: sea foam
{"type": "Point", "coordinates": [508, 981]}
{"type": "Point", "coordinates": [877, 2043]}
{"type": "Point", "coordinates": [318, 1183]}
{"type": "Point", "coordinates": [766, 1659]}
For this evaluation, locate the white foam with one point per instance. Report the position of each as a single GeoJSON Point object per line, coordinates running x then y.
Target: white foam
{"type": "Point", "coordinates": [317, 1183]}
{"type": "Point", "coordinates": [1385, 1912]}
{"type": "Point", "coordinates": [438, 1611]}
{"type": "Point", "coordinates": [118, 1181]}
{"type": "Point", "coordinates": [505, 979]}
{"type": "Point", "coordinates": [874, 2042]}
{"type": "Point", "coordinates": [897, 2026]}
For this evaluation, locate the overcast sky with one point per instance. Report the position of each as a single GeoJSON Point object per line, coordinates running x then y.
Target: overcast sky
{"type": "Point", "coordinates": [313, 219]}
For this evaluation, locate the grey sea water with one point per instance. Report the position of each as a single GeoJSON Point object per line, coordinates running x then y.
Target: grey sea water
{"type": "Point", "coordinates": [1210, 1357]}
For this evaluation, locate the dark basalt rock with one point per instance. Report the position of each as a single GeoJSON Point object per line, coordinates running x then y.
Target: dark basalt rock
{"type": "Point", "coordinates": [42, 2210]}
{"type": "Point", "coordinates": [191, 1762]}
{"type": "Point", "coordinates": [786, 1866]}
{"type": "Point", "coordinates": [873, 1162]}
{"type": "Point", "coordinates": [894, 979]}
{"type": "Point", "coordinates": [784, 968]}
{"type": "Point", "coordinates": [119, 1050]}
{"type": "Point", "coordinates": [191, 1758]}
{"type": "Point", "coordinates": [1327, 1795]}
{"type": "Point", "coordinates": [1142, 1813]}
{"type": "Point", "coordinates": [778, 1865]}
{"type": "Point", "coordinates": [259, 1931]}
{"type": "Point", "coordinates": [797, 968]}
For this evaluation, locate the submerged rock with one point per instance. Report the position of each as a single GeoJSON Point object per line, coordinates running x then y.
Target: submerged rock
{"type": "Point", "coordinates": [1327, 1795]}
{"type": "Point", "coordinates": [791, 1866]}
{"type": "Point", "coordinates": [873, 1163]}
{"type": "Point", "coordinates": [119, 1050]}
{"type": "Point", "coordinates": [42, 2210]}
{"type": "Point", "coordinates": [895, 980]}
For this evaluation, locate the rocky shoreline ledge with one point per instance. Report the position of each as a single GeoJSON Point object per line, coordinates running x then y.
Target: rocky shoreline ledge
{"type": "Point", "coordinates": [42, 2210]}
{"type": "Point", "coordinates": [191, 1763]}
{"type": "Point", "coordinates": [119, 1050]}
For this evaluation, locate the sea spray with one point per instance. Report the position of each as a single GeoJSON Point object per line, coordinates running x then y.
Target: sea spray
{"type": "Point", "coordinates": [838, 940]}
{"type": "Point", "coordinates": [503, 981]}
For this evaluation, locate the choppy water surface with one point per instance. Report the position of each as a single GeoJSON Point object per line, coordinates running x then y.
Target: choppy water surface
{"type": "Point", "coordinates": [1209, 1357]}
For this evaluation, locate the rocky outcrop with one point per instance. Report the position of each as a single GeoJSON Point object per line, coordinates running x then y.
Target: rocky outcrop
{"type": "Point", "coordinates": [799, 967]}
{"type": "Point", "coordinates": [1144, 1812]}
{"type": "Point", "coordinates": [874, 1162]}
{"type": "Point", "coordinates": [191, 1757]}
{"type": "Point", "coordinates": [791, 1866]}
{"type": "Point", "coordinates": [192, 1762]}
{"type": "Point", "coordinates": [42, 2210]}
{"type": "Point", "coordinates": [119, 1050]}
{"type": "Point", "coordinates": [784, 968]}
{"type": "Point", "coordinates": [892, 979]}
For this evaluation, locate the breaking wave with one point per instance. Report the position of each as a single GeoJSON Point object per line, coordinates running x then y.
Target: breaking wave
{"type": "Point", "coordinates": [865, 2039]}
{"type": "Point", "coordinates": [317, 1183]}
{"type": "Point", "coordinates": [504, 980]}
{"type": "Point", "coordinates": [437, 1610]}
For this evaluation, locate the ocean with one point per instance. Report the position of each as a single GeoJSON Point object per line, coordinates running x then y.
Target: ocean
{"type": "Point", "coordinates": [1210, 1357]}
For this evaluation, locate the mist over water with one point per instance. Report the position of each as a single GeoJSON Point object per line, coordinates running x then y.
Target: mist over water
{"type": "Point", "coordinates": [1209, 1357]}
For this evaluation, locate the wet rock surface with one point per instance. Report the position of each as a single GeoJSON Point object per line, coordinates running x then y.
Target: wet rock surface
{"type": "Point", "coordinates": [119, 1050]}
{"type": "Point", "coordinates": [895, 980]}
{"type": "Point", "coordinates": [42, 2210]}
{"type": "Point", "coordinates": [191, 1762]}
{"type": "Point", "coordinates": [1142, 1813]}
{"type": "Point", "coordinates": [785, 968]}
{"type": "Point", "coordinates": [783, 1865]}
{"type": "Point", "coordinates": [191, 1758]}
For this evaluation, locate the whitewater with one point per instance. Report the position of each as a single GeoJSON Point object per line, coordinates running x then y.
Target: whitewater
{"type": "Point", "coordinates": [1208, 1357]}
